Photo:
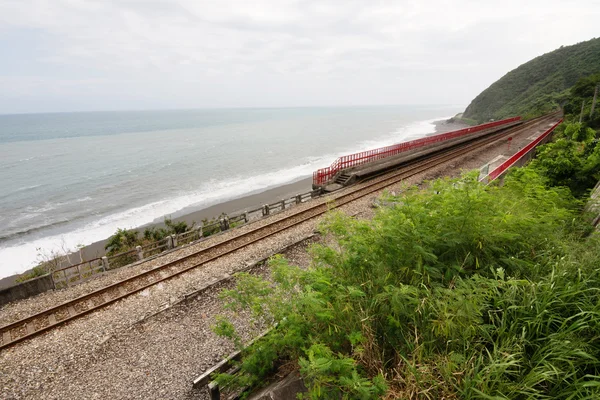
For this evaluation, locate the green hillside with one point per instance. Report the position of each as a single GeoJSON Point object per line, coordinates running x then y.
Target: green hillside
{"type": "Point", "coordinates": [537, 86]}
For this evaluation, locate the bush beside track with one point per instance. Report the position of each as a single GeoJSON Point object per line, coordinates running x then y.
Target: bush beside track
{"type": "Point", "coordinates": [456, 291]}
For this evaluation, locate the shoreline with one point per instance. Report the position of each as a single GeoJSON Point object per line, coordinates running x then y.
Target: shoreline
{"type": "Point", "coordinates": [230, 207]}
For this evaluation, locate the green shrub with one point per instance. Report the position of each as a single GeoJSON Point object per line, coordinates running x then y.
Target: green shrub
{"type": "Point", "coordinates": [34, 273]}
{"type": "Point", "coordinates": [458, 291]}
{"type": "Point", "coordinates": [121, 241]}
{"type": "Point", "coordinates": [571, 160]}
{"type": "Point", "coordinates": [154, 234]}
{"type": "Point", "coordinates": [178, 227]}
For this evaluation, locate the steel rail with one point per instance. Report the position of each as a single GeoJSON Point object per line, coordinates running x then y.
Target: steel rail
{"type": "Point", "coordinates": [55, 316]}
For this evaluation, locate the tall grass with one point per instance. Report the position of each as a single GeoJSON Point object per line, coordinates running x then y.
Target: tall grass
{"type": "Point", "coordinates": [458, 291]}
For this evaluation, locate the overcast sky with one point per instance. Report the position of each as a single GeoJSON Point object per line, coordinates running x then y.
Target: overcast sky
{"type": "Point", "coordinates": [73, 55]}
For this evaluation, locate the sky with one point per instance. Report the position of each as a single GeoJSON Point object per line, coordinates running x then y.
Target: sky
{"type": "Point", "coordinates": [86, 55]}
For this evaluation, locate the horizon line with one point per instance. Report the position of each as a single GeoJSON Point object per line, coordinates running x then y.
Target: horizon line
{"type": "Point", "coordinates": [229, 108]}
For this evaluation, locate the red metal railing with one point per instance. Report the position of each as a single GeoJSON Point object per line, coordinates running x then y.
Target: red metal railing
{"type": "Point", "coordinates": [324, 175]}
{"type": "Point", "coordinates": [517, 156]}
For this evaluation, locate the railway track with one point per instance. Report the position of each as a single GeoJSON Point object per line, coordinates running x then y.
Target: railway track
{"type": "Point", "coordinates": [52, 317]}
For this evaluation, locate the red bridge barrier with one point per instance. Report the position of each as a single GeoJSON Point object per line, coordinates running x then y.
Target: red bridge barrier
{"type": "Point", "coordinates": [324, 175]}
{"type": "Point", "coordinates": [516, 157]}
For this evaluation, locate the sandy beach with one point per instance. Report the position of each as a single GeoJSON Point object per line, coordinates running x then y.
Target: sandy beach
{"type": "Point", "coordinates": [230, 207]}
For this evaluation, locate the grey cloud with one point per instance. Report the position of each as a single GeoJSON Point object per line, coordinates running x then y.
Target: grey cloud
{"type": "Point", "coordinates": [190, 53]}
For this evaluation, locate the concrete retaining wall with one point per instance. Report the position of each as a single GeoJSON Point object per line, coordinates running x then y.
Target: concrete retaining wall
{"type": "Point", "coordinates": [26, 289]}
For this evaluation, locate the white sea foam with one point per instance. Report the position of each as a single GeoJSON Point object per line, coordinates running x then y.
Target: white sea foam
{"type": "Point", "coordinates": [28, 187]}
{"type": "Point", "coordinates": [411, 131]}
{"type": "Point", "coordinates": [17, 257]}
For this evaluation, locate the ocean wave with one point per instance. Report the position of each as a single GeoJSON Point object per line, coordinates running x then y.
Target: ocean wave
{"type": "Point", "coordinates": [28, 231]}
{"type": "Point", "coordinates": [32, 212]}
{"type": "Point", "coordinates": [21, 189]}
{"type": "Point", "coordinates": [28, 187]}
{"type": "Point", "coordinates": [44, 208]}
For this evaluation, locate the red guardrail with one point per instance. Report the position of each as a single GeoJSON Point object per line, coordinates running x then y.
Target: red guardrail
{"type": "Point", "coordinates": [517, 156]}
{"type": "Point", "coordinates": [324, 175]}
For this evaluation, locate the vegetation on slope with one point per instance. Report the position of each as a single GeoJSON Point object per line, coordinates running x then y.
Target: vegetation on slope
{"type": "Point", "coordinates": [457, 292]}
{"type": "Point", "coordinates": [572, 159]}
{"type": "Point", "coordinates": [538, 86]}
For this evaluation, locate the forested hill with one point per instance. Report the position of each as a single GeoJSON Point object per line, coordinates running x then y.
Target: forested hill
{"type": "Point", "coordinates": [537, 86]}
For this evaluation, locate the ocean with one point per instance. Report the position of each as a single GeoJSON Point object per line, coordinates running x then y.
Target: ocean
{"type": "Point", "coordinates": [70, 179]}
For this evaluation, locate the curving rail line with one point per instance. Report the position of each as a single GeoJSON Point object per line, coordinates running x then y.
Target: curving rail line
{"type": "Point", "coordinates": [50, 318]}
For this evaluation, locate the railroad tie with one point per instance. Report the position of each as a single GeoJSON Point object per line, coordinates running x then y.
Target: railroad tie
{"type": "Point", "coordinates": [106, 297]}
{"type": "Point", "coordinates": [72, 312]}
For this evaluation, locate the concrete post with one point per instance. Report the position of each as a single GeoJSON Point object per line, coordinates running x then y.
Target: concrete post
{"type": "Point", "coordinates": [266, 211]}
{"type": "Point", "coordinates": [213, 388]}
{"type": "Point", "coordinates": [169, 242]}
{"type": "Point", "coordinates": [224, 223]}
{"type": "Point", "coordinates": [484, 171]}
{"type": "Point", "coordinates": [245, 217]}
{"type": "Point", "coordinates": [298, 199]}
{"type": "Point", "coordinates": [200, 232]}
{"type": "Point", "coordinates": [105, 263]}
{"type": "Point", "coordinates": [174, 240]}
{"type": "Point", "coordinates": [282, 205]}
{"type": "Point", "coordinates": [140, 252]}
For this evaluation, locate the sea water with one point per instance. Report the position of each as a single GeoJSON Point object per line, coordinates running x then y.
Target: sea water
{"type": "Point", "coordinates": [71, 179]}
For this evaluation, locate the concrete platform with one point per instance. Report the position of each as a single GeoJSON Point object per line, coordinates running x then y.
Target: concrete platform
{"type": "Point", "coordinates": [364, 171]}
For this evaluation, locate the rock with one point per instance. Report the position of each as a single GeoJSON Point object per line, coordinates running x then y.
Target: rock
{"type": "Point", "coordinates": [378, 203]}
